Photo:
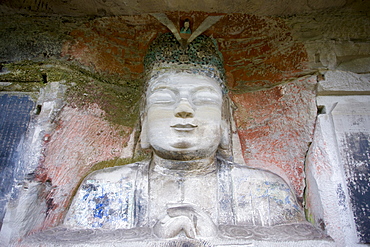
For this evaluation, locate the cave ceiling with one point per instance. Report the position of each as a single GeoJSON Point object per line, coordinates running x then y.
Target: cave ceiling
{"type": "Point", "coordinates": [133, 7]}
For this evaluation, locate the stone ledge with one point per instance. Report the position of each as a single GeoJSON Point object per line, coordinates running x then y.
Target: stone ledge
{"type": "Point", "coordinates": [344, 83]}
{"type": "Point", "coordinates": [302, 234]}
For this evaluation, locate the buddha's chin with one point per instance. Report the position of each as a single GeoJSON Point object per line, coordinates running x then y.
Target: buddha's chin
{"type": "Point", "coordinates": [181, 145]}
{"type": "Point", "coordinates": [181, 152]}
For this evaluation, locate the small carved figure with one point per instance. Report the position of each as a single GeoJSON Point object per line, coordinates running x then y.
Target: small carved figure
{"type": "Point", "coordinates": [186, 27]}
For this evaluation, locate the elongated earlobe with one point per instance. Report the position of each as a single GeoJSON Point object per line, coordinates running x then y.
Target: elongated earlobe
{"type": "Point", "coordinates": [144, 136]}
{"type": "Point", "coordinates": [225, 135]}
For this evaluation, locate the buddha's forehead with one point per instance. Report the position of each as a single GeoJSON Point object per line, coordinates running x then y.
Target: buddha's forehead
{"type": "Point", "coordinates": [183, 81]}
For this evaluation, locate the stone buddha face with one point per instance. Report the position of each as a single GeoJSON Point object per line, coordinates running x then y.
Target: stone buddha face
{"type": "Point", "coordinates": [183, 116]}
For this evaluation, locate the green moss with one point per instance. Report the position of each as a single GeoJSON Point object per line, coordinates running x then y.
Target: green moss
{"type": "Point", "coordinates": [25, 37]}
{"type": "Point", "coordinates": [23, 77]}
{"type": "Point", "coordinates": [117, 97]}
{"type": "Point", "coordinates": [117, 162]}
{"type": "Point", "coordinates": [309, 216]}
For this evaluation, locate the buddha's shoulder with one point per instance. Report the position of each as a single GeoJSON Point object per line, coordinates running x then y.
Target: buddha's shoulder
{"type": "Point", "coordinates": [243, 172]}
{"type": "Point", "coordinates": [116, 173]}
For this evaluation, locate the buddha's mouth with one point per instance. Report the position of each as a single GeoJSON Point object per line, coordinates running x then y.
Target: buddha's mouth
{"type": "Point", "coordinates": [184, 127]}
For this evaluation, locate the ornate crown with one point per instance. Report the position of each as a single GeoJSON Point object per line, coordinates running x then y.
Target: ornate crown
{"type": "Point", "coordinates": [201, 57]}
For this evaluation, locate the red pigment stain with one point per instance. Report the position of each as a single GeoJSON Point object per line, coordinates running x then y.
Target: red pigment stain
{"type": "Point", "coordinates": [73, 149]}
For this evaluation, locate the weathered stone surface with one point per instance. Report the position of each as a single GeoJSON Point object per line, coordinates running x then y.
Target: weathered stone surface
{"type": "Point", "coordinates": [84, 95]}
{"type": "Point", "coordinates": [275, 128]}
{"type": "Point", "coordinates": [337, 187]}
{"type": "Point", "coordinates": [187, 187]}
{"type": "Point", "coordinates": [81, 139]}
{"type": "Point", "coordinates": [357, 65]}
{"type": "Point", "coordinates": [326, 197]}
{"type": "Point", "coordinates": [336, 166]}
{"type": "Point", "coordinates": [340, 82]}
{"type": "Point", "coordinates": [295, 45]}
{"type": "Point", "coordinates": [129, 7]}
{"type": "Point", "coordinates": [331, 28]}
{"type": "Point", "coordinates": [273, 47]}
{"type": "Point", "coordinates": [116, 45]}
{"type": "Point", "coordinates": [334, 40]}
{"type": "Point", "coordinates": [36, 38]}
{"type": "Point", "coordinates": [287, 235]}
{"type": "Point", "coordinates": [15, 114]}
{"type": "Point", "coordinates": [259, 52]}
{"type": "Point", "coordinates": [352, 121]}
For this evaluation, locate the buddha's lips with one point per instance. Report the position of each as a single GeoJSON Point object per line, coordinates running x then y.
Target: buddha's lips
{"type": "Point", "coordinates": [184, 127]}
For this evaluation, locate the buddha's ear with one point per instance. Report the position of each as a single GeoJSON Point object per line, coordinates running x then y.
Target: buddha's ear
{"type": "Point", "coordinates": [225, 135]}
{"type": "Point", "coordinates": [144, 135]}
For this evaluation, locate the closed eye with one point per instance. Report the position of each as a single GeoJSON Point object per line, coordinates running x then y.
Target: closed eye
{"type": "Point", "coordinates": [162, 96]}
{"type": "Point", "coordinates": [205, 96]}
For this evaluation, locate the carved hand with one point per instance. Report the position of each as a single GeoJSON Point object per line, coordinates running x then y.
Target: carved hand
{"type": "Point", "coordinates": [185, 217]}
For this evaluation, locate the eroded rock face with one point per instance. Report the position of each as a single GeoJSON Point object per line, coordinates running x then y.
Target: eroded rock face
{"type": "Point", "coordinates": [275, 128]}
{"type": "Point", "coordinates": [72, 150]}
{"type": "Point", "coordinates": [186, 190]}
{"type": "Point", "coordinates": [338, 159]}
{"type": "Point", "coordinates": [274, 123]}
{"type": "Point", "coordinates": [190, 188]}
{"type": "Point", "coordinates": [115, 7]}
{"type": "Point", "coordinates": [259, 52]}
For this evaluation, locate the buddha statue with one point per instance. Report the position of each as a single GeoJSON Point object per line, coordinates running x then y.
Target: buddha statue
{"type": "Point", "coordinates": [190, 188]}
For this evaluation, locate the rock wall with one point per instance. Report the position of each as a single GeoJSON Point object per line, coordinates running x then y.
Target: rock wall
{"type": "Point", "coordinates": [15, 117]}
{"type": "Point", "coordinates": [337, 162]}
{"type": "Point", "coordinates": [87, 74]}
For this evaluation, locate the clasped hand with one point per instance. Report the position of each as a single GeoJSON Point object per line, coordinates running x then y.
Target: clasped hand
{"type": "Point", "coordinates": [184, 217]}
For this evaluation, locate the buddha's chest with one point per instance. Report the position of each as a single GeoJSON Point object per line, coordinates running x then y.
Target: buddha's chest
{"type": "Point", "coordinates": [168, 191]}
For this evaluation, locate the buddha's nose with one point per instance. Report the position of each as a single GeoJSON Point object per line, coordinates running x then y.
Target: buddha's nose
{"type": "Point", "coordinates": [184, 109]}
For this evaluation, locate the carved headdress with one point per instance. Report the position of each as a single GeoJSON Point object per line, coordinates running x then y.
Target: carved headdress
{"type": "Point", "coordinates": [200, 57]}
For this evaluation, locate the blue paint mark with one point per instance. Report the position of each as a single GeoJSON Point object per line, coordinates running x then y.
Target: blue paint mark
{"type": "Point", "coordinates": [85, 197]}
{"type": "Point", "coordinates": [101, 207]}
{"type": "Point", "coordinates": [98, 212]}
{"type": "Point", "coordinates": [279, 201]}
{"type": "Point", "coordinates": [89, 187]}
{"type": "Point", "coordinates": [287, 200]}
{"type": "Point", "coordinates": [97, 225]}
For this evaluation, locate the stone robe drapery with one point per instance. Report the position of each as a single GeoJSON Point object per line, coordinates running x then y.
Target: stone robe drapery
{"type": "Point", "coordinates": [117, 198]}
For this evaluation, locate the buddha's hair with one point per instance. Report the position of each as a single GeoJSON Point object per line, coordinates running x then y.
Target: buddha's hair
{"type": "Point", "coordinates": [200, 57]}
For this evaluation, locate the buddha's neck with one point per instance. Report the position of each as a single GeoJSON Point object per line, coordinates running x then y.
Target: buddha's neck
{"type": "Point", "coordinates": [184, 167]}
